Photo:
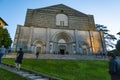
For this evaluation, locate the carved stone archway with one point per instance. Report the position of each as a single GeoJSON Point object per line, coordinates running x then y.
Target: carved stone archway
{"type": "Point", "coordinates": [38, 45]}
{"type": "Point", "coordinates": [62, 43]}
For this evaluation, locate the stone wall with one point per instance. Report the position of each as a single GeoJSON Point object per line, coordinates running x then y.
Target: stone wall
{"type": "Point", "coordinates": [40, 30]}
{"type": "Point", "coordinates": [27, 37]}
{"type": "Point", "coordinates": [46, 17]}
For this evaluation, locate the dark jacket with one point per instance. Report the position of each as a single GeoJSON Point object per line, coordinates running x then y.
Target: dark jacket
{"type": "Point", "coordinates": [113, 70]}
{"type": "Point", "coordinates": [19, 57]}
{"type": "Point", "coordinates": [113, 66]}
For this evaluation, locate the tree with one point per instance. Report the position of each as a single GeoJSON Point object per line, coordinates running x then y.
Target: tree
{"type": "Point", "coordinates": [118, 34]}
{"type": "Point", "coordinates": [5, 38]}
{"type": "Point", "coordinates": [109, 38]}
{"type": "Point", "coordinates": [118, 45]}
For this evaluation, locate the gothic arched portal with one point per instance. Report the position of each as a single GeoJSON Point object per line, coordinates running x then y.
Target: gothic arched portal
{"type": "Point", "coordinates": [62, 43]}
{"type": "Point", "coordinates": [38, 45]}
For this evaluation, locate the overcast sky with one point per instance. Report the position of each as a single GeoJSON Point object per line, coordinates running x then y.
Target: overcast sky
{"type": "Point", "coordinates": [106, 12]}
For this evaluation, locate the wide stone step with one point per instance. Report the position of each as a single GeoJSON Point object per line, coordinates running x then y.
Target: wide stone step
{"type": "Point", "coordinates": [35, 77]}
{"type": "Point", "coordinates": [31, 76]}
{"type": "Point", "coordinates": [40, 79]}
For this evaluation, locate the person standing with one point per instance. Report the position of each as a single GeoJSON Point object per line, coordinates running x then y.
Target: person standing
{"type": "Point", "coordinates": [19, 58]}
{"type": "Point", "coordinates": [113, 66]}
{"type": "Point", "coordinates": [2, 52]}
{"type": "Point", "coordinates": [37, 54]}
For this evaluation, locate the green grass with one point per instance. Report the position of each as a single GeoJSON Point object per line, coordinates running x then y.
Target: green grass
{"type": "Point", "coordinates": [68, 69]}
{"type": "Point", "coordinates": [6, 75]}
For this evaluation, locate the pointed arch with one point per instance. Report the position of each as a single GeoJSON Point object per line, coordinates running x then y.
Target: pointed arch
{"type": "Point", "coordinates": [62, 35]}
{"type": "Point", "coordinates": [62, 43]}
{"type": "Point", "coordinates": [38, 46]}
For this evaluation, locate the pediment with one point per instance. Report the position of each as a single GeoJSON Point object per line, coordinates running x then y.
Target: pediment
{"type": "Point", "coordinates": [61, 8]}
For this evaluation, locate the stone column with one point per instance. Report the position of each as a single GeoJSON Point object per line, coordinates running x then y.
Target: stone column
{"type": "Point", "coordinates": [47, 50]}
{"type": "Point", "coordinates": [91, 46]}
{"type": "Point", "coordinates": [18, 33]}
{"type": "Point", "coordinates": [76, 41]}
{"type": "Point", "coordinates": [30, 39]}
{"type": "Point", "coordinates": [102, 41]}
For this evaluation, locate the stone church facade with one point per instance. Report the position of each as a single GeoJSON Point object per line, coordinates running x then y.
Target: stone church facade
{"type": "Point", "coordinates": [58, 29]}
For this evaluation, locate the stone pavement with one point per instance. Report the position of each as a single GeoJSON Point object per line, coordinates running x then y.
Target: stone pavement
{"type": "Point", "coordinates": [28, 75]}
{"type": "Point", "coordinates": [13, 55]}
{"type": "Point", "coordinates": [57, 56]}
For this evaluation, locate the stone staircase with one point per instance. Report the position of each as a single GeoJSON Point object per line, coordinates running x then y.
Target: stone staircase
{"type": "Point", "coordinates": [27, 74]}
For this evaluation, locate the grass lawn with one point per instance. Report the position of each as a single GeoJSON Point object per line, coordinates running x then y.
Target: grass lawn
{"type": "Point", "coordinates": [6, 75]}
{"type": "Point", "coordinates": [68, 69]}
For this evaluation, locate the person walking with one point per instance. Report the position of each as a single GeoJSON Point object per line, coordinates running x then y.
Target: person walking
{"type": "Point", "coordinates": [114, 68]}
{"type": "Point", "coordinates": [2, 52]}
{"type": "Point", "coordinates": [37, 54]}
{"type": "Point", "coordinates": [19, 58]}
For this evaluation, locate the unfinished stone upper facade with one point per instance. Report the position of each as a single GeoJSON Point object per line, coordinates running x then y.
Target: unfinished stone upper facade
{"type": "Point", "coordinates": [46, 17]}
{"type": "Point", "coordinates": [58, 29]}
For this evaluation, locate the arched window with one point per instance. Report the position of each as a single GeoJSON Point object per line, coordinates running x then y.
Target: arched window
{"type": "Point", "coordinates": [61, 20]}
